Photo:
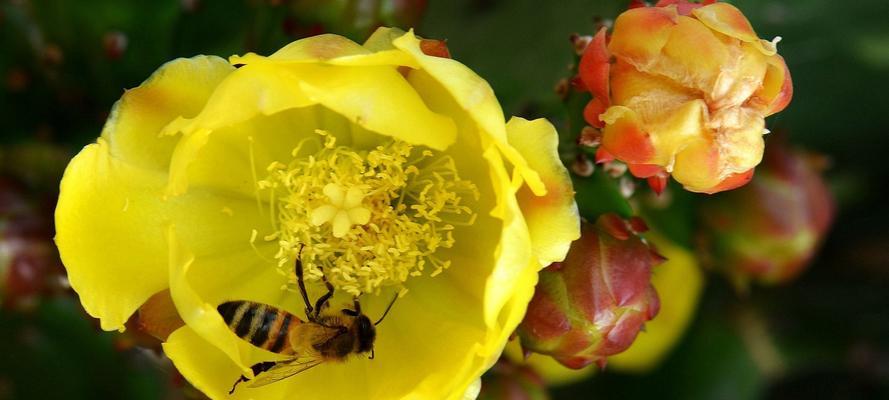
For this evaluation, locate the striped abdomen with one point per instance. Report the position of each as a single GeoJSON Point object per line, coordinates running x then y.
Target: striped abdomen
{"type": "Point", "coordinates": [261, 325]}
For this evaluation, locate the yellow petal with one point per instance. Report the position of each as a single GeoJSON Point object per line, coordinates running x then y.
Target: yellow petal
{"type": "Point", "coordinates": [199, 283]}
{"type": "Point", "coordinates": [178, 88]}
{"type": "Point", "coordinates": [727, 19]}
{"type": "Point", "coordinates": [234, 158]}
{"type": "Point", "coordinates": [693, 55]}
{"type": "Point", "coordinates": [512, 255]}
{"type": "Point", "coordinates": [330, 49]}
{"type": "Point", "coordinates": [473, 390]}
{"type": "Point", "coordinates": [679, 282]}
{"type": "Point", "coordinates": [191, 355]}
{"type": "Point", "coordinates": [364, 95]}
{"type": "Point", "coordinates": [652, 96]}
{"type": "Point", "coordinates": [109, 230]}
{"type": "Point", "coordinates": [671, 134]}
{"type": "Point", "coordinates": [697, 165]}
{"type": "Point", "coordinates": [474, 97]}
{"type": "Point", "coordinates": [641, 33]}
{"type": "Point", "coordinates": [739, 80]}
{"type": "Point", "coordinates": [553, 219]}
{"type": "Point", "coordinates": [108, 211]}
{"type": "Point", "coordinates": [108, 235]}
{"type": "Point", "coordinates": [321, 47]}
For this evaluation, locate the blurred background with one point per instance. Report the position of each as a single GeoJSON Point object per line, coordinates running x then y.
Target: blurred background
{"type": "Point", "coordinates": [825, 334]}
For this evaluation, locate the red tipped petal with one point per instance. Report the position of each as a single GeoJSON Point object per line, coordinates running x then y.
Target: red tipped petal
{"type": "Point", "coordinates": [593, 110]}
{"type": "Point", "coordinates": [614, 226]}
{"type": "Point", "coordinates": [603, 156]}
{"type": "Point", "coordinates": [726, 19]}
{"type": "Point", "coordinates": [683, 6]}
{"type": "Point", "coordinates": [782, 98]}
{"type": "Point", "coordinates": [594, 68]}
{"type": "Point", "coordinates": [626, 138]}
{"type": "Point", "coordinates": [636, 4]}
{"type": "Point", "coordinates": [658, 183]}
{"type": "Point", "coordinates": [733, 181]}
{"type": "Point", "coordinates": [646, 170]}
{"type": "Point", "coordinates": [638, 225]}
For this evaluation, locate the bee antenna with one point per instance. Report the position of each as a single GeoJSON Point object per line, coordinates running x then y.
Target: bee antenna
{"type": "Point", "coordinates": [389, 307]}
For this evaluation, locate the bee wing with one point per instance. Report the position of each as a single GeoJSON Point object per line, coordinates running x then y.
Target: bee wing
{"type": "Point", "coordinates": [284, 370]}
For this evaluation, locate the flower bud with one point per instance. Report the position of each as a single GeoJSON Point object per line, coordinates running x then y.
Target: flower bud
{"type": "Point", "coordinates": [509, 381]}
{"type": "Point", "coordinates": [28, 261]}
{"type": "Point", "coordinates": [593, 304]}
{"type": "Point", "coordinates": [355, 18]}
{"type": "Point", "coordinates": [686, 93]}
{"type": "Point", "coordinates": [770, 229]}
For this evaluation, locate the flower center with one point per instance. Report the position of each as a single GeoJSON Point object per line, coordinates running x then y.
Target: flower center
{"type": "Point", "coordinates": [367, 219]}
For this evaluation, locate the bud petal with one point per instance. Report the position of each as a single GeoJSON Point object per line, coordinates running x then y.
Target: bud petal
{"type": "Point", "coordinates": [770, 229]}
{"type": "Point", "coordinates": [593, 304]}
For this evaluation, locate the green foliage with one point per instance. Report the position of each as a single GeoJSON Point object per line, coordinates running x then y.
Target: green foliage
{"type": "Point", "coordinates": [57, 353]}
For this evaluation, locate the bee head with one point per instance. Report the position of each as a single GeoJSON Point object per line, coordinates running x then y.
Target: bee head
{"type": "Point", "coordinates": [365, 333]}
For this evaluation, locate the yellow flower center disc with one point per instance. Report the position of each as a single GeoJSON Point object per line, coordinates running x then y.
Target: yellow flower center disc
{"type": "Point", "coordinates": [366, 219]}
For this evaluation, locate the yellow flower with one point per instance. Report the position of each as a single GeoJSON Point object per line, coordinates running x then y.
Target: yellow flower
{"type": "Point", "coordinates": [686, 95]}
{"type": "Point", "coordinates": [384, 169]}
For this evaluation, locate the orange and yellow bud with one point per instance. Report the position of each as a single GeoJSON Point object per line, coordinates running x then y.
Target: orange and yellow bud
{"type": "Point", "coordinates": [682, 89]}
{"type": "Point", "coordinates": [593, 304]}
{"type": "Point", "coordinates": [769, 230]}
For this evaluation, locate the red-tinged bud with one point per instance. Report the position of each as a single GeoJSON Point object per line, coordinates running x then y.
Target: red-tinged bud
{"type": "Point", "coordinates": [115, 44]}
{"type": "Point", "coordinates": [768, 230]}
{"type": "Point", "coordinates": [354, 18]}
{"type": "Point", "coordinates": [509, 381]}
{"type": "Point", "coordinates": [29, 265]}
{"type": "Point", "coordinates": [435, 48]}
{"type": "Point", "coordinates": [593, 304]}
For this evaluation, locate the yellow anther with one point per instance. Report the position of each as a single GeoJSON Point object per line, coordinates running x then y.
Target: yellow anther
{"type": "Point", "coordinates": [343, 211]}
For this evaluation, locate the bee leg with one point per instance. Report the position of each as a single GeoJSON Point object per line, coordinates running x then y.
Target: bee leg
{"type": "Point", "coordinates": [322, 301]}
{"type": "Point", "coordinates": [302, 284]}
{"type": "Point", "coordinates": [357, 305]}
{"type": "Point", "coordinates": [257, 368]}
{"type": "Point", "coordinates": [241, 379]}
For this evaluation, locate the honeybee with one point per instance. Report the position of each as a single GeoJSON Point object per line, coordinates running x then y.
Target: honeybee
{"type": "Point", "coordinates": [324, 336]}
